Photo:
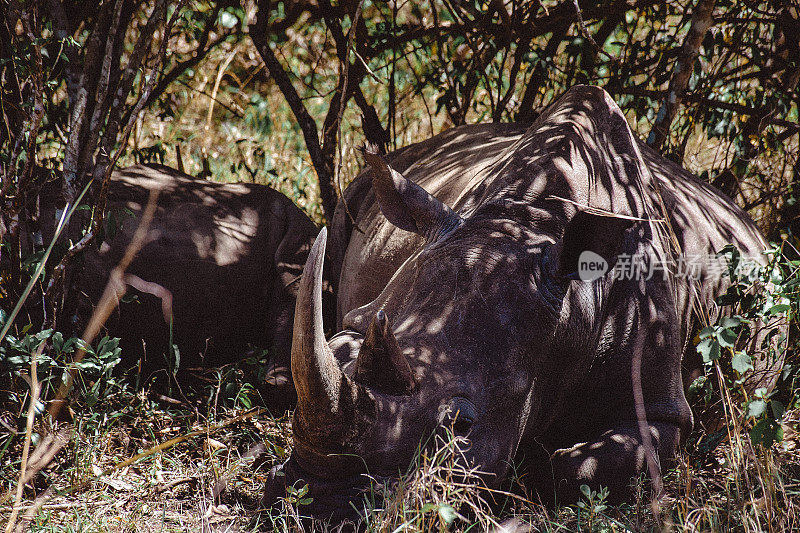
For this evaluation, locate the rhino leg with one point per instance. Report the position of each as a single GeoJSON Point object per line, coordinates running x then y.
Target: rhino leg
{"type": "Point", "coordinates": [613, 459]}
{"type": "Point", "coordinates": [281, 312]}
{"type": "Point", "coordinates": [277, 388]}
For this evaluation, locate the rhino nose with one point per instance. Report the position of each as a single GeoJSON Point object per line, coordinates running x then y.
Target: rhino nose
{"type": "Point", "coordinates": [332, 500]}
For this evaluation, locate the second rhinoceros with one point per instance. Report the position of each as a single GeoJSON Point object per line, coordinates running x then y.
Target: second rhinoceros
{"type": "Point", "coordinates": [229, 255]}
{"type": "Point", "coordinates": [506, 317]}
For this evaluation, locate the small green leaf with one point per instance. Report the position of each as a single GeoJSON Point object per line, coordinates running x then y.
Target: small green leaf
{"type": "Point", "coordinates": [756, 408]}
{"type": "Point", "coordinates": [709, 349]}
{"type": "Point", "coordinates": [787, 371]}
{"type": "Point", "coordinates": [778, 309]}
{"type": "Point", "coordinates": [777, 409]}
{"type": "Point", "coordinates": [706, 332]}
{"type": "Point", "coordinates": [447, 513]}
{"type": "Point", "coordinates": [727, 338]}
{"type": "Point", "coordinates": [43, 335]}
{"type": "Point", "coordinates": [730, 322]}
{"type": "Point", "coordinates": [58, 341]}
{"type": "Point", "coordinates": [757, 432]}
{"type": "Point", "coordinates": [766, 432]}
{"type": "Point", "coordinates": [84, 346]}
{"type": "Point", "coordinates": [246, 403]}
{"type": "Point", "coordinates": [741, 362]}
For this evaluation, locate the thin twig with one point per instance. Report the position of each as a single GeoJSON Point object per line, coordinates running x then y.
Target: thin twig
{"type": "Point", "coordinates": [602, 212]}
{"type": "Point", "coordinates": [26, 447]}
{"type": "Point", "coordinates": [589, 37]}
{"type": "Point", "coordinates": [222, 68]}
{"type": "Point", "coordinates": [114, 290]}
{"type": "Point", "coordinates": [150, 287]}
{"type": "Point", "coordinates": [57, 506]}
{"type": "Point", "coordinates": [345, 74]}
{"type": "Point", "coordinates": [159, 489]}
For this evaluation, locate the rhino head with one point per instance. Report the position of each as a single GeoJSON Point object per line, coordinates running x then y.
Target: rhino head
{"type": "Point", "coordinates": [462, 336]}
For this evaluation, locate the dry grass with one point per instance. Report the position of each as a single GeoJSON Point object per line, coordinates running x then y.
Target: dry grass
{"type": "Point", "coordinates": [212, 478]}
{"type": "Point", "coordinates": [212, 481]}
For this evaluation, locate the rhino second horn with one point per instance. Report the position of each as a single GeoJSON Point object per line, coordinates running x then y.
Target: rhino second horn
{"type": "Point", "coordinates": [405, 204]}
{"type": "Point", "coordinates": [381, 364]}
{"type": "Point", "coordinates": [317, 377]}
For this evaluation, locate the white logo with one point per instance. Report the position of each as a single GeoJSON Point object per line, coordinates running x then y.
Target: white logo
{"type": "Point", "coordinates": [591, 266]}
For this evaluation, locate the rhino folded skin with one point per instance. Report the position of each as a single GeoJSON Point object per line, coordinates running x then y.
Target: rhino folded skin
{"type": "Point", "coordinates": [583, 378]}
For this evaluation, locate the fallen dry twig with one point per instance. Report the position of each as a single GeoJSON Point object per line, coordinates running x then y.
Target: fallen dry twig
{"type": "Point", "coordinates": [164, 487]}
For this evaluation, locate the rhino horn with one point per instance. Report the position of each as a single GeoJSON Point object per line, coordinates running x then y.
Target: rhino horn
{"type": "Point", "coordinates": [319, 381]}
{"type": "Point", "coordinates": [380, 364]}
{"type": "Point", "coordinates": [404, 203]}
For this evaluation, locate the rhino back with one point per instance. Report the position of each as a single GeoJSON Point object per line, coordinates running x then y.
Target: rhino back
{"type": "Point", "coordinates": [452, 165]}
{"type": "Point", "coordinates": [228, 254]}
{"type": "Point", "coordinates": [703, 219]}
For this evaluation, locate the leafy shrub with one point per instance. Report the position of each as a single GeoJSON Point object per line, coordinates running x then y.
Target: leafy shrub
{"type": "Point", "coordinates": [94, 378]}
{"type": "Point", "coordinates": [760, 297]}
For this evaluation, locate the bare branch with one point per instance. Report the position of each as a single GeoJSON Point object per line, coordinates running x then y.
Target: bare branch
{"type": "Point", "coordinates": [324, 168]}
{"type": "Point", "coordinates": [702, 19]}
{"type": "Point", "coordinates": [200, 53]}
{"type": "Point", "coordinates": [373, 128]}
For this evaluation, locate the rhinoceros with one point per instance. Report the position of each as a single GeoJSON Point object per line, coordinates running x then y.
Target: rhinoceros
{"type": "Point", "coordinates": [463, 302]}
{"type": "Point", "coordinates": [229, 254]}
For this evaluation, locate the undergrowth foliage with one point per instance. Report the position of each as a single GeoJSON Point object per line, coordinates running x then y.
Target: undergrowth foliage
{"type": "Point", "coordinates": [761, 299]}
{"type": "Point", "coordinates": [95, 368]}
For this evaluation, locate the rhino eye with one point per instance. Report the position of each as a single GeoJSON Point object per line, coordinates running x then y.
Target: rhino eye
{"type": "Point", "coordinates": [462, 425]}
{"type": "Point", "coordinates": [459, 414]}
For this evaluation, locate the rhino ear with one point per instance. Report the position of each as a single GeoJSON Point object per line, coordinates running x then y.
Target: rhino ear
{"type": "Point", "coordinates": [380, 364]}
{"type": "Point", "coordinates": [590, 246]}
{"type": "Point", "coordinates": [404, 203]}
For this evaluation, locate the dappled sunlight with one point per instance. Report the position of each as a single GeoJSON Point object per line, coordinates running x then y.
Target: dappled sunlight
{"type": "Point", "coordinates": [228, 254]}
{"type": "Point", "coordinates": [485, 313]}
